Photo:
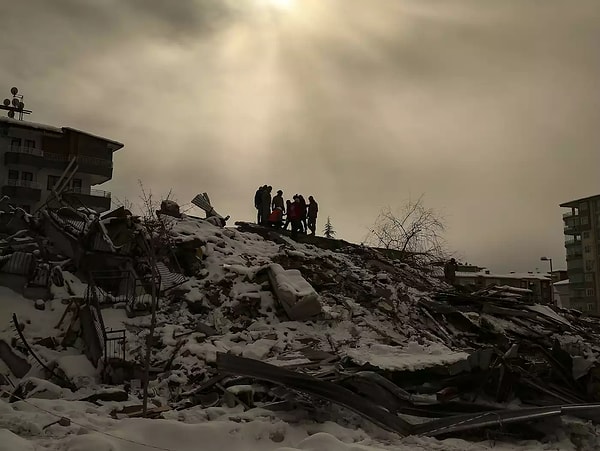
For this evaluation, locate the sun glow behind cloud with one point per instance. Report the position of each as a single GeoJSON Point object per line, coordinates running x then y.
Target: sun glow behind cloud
{"type": "Point", "coordinates": [281, 4]}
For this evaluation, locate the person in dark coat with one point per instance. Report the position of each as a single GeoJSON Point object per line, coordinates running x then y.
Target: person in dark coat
{"type": "Point", "coordinates": [313, 209]}
{"type": "Point", "coordinates": [450, 271]}
{"type": "Point", "coordinates": [258, 203]}
{"type": "Point", "coordinates": [278, 201]}
{"type": "Point", "coordinates": [288, 204]}
{"type": "Point", "coordinates": [302, 203]}
{"type": "Point", "coordinates": [265, 205]}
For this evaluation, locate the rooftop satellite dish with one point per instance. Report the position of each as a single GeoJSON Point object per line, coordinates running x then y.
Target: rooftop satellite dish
{"type": "Point", "coordinates": [15, 102]}
{"type": "Point", "coordinates": [11, 114]}
{"type": "Point", "coordinates": [14, 91]}
{"type": "Point", "coordinates": [6, 102]}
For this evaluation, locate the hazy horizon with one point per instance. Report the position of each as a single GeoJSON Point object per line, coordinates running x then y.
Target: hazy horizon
{"type": "Point", "coordinates": [490, 109]}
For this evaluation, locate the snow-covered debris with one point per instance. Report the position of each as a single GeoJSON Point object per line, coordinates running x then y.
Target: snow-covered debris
{"type": "Point", "coordinates": [296, 295]}
{"type": "Point", "coordinates": [409, 358]}
{"type": "Point", "coordinates": [374, 314]}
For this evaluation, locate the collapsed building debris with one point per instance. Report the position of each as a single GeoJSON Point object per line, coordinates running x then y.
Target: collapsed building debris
{"type": "Point", "coordinates": [296, 295]}
{"type": "Point", "coordinates": [248, 317]}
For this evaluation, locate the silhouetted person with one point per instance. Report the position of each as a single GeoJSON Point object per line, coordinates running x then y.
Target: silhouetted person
{"type": "Point", "coordinates": [313, 209]}
{"type": "Point", "coordinates": [265, 205]}
{"type": "Point", "coordinates": [258, 203]}
{"type": "Point", "coordinates": [295, 216]}
{"type": "Point", "coordinates": [302, 203]}
{"type": "Point", "coordinates": [288, 203]}
{"type": "Point", "coordinates": [278, 201]}
{"type": "Point", "coordinates": [450, 271]}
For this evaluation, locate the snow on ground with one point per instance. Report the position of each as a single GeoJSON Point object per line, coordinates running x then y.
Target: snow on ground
{"type": "Point", "coordinates": [22, 429]}
{"type": "Point", "coordinates": [411, 358]}
{"type": "Point", "coordinates": [38, 323]}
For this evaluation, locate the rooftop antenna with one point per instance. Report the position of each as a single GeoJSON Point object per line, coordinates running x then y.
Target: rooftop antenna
{"type": "Point", "coordinates": [15, 106]}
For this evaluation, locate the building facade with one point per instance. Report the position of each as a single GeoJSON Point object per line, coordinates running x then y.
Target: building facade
{"type": "Point", "coordinates": [34, 156]}
{"type": "Point", "coordinates": [582, 244]}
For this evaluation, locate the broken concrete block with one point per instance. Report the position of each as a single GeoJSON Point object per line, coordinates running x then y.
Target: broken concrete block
{"type": "Point", "coordinates": [296, 295]}
{"type": "Point", "coordinates": [40, 304]}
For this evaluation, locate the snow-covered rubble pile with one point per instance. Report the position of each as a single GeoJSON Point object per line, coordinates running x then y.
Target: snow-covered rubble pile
{"type": "Point", "coordinates": [369, 314]}
{"type": "Point", "coordinates": [365, 301]}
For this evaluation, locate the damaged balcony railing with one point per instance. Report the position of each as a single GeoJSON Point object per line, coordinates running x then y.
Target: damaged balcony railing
{"type": "Point", "coordinates": [116, 287]}
{"type": "Point", "coordinates": [82, 159]}
{"type": "Point", "coordinates": [114, 345]}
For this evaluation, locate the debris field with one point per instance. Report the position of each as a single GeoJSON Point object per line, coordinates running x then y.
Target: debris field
{"type": "Point", "coordinates": [244, 319]}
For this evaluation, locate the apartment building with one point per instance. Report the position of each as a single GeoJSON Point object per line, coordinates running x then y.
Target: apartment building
{"type": "Point", "coordinates": [35, 155]}
{"type": "Point", "coordinates": [582, 244]}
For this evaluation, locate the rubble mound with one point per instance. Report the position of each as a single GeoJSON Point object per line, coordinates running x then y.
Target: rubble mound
{"type": "Point", "coordinates": [248, 318]}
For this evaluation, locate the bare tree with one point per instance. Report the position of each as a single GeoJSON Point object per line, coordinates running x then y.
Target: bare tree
{"type": "Point", "coordinates": [413, 230]}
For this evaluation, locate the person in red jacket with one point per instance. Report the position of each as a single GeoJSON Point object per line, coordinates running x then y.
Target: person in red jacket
{"type": "Point", "coordinates": [295, 216]}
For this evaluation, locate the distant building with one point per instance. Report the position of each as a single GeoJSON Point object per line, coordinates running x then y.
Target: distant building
{"type": "Point", "coordinates": [561, 293]}
{"type": "Point", "coordinates": [35, 155]}
{"type": "Point", "coordinates": [582, 243]}
{"type": "Point", "coordinates": [559, 275]}
{"type": "Point", "coordinates": [538, 283]}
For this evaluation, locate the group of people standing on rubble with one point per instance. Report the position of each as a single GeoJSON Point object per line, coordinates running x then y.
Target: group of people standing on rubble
{"type": "Point", "coordinates": [302, 216]}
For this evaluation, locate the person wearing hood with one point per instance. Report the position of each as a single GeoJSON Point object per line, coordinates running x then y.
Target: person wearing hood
{"type": "Point", "coordinates": [258, 203]}
{"type": "Point", "coordinates": [265, 205]}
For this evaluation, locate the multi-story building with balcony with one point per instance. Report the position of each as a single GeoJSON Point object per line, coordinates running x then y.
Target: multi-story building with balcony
{"type": "Point", "coordinates": [582, 242]}
{"type": "Point", "coordinates": [34, 156]}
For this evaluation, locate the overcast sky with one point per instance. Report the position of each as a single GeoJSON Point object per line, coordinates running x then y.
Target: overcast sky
{"type": "Point", "coordinates": [489, 108]}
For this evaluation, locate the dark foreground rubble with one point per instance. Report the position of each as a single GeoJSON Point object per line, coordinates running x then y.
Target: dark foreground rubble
{"type": "Point", "coordinates": [250, 320]}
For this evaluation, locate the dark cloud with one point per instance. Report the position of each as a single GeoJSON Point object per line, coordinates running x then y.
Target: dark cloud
{"type": "Point", "coordinates": [489, 108]}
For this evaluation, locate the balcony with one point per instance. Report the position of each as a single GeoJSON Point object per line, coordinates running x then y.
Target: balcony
{"type": "Point", "coordinates": [22, 190]}
{"type": "Point", "coordinates": [96, 200]}
{"type": "Point", "coordinates": [569, 242]}
{"type": "Point", "coordinates": [569, 215]}
{"type": "Point", "coordinates": [87, 165]}
{"type": "Point", "coordinates": [572, 230]}
{"type": "Point", "coordinates": [576, 255]}
{"type": "Point", "coordinates": [29, 156]}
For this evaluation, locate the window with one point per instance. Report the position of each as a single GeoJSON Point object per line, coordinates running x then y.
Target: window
{"type": "Point", "coordinates": [587, 249]}
{"type": "Point", "coordinates": [589, 292]}
{"type": "Point", "coordinates": [76, 185]}
{"type": "Point", "coordinates": [27, 176]}
{"type": "Point", "coordinates": [586, 234]}
{"type": "Point", "coordinates": [52, 180]}
{"type": "Point", "coordinates": [30, 143]}
{"type": "Point", "coordinates": [585, 220]}
{"type": "Point", "coordinates": [15, 143]}
{"type": "Point", "coordinates": [589, 277]}
{"type": "Point", "coordinates": [589, 265]}
{"type": "Point", "coordinates": [13, 175]}
{"type": "Point", "coordinates": [590, 307]}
